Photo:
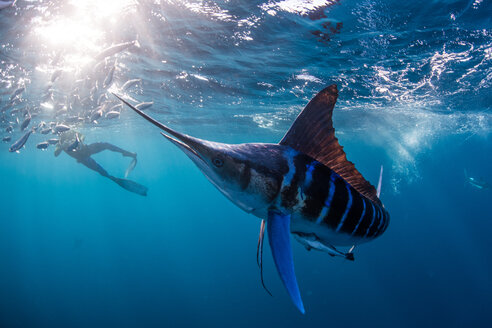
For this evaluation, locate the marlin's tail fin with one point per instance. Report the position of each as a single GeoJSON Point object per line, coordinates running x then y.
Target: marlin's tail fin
{"type": "Point", "coordinates": [131, 186]}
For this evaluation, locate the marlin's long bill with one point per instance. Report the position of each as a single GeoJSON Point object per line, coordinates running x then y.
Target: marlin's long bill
{"type": "Point", "coordinates": [186, 143]}
{"type": "Point", "coordinates": [150, 119]}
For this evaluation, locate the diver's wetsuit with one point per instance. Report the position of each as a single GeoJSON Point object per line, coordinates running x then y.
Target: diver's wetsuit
{"type": "Point", "coordinates": [83, 155]}
{"type": "Point", "coordinates": [71, 144]}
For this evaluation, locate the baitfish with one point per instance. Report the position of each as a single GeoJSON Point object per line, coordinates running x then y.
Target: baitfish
{"type": "Point", "coordinates": [144, 105]}
{"type": "Point", "coordinates": [25, 123]}
{"type": "Point", "coordinates": [102, 98]}
{"type": "Point", "coordinates": [59, 128]}
{"type": "Point", "coordinates": [114, 49]}
{"type": "Point", "coordinates": [16, 92]}
{"type": "Point", "coordinates": [479, 183]}
{"type": "Point", "coordinates": [96, 115]}
{"type": "Point", "coordinates": [52, 141]}
{"type": "Point", "coordinates": [304, 185]}
{"type": "Point", "coordinates": [112, 114]}
{"type": "Point", "coordinates": [6, 138]}
{"type": "Point", "coordinates": [46, 131]}
{"type": "Point", "coordinates": [130, 167]}
{"type": "Point", "coordinates": [42, 145]}
{"type": "Point", "coordinates": [128, 84]}
{"type": "Point", "coordinates": [21, 142]}
{"type": "Point", "coordinates": [5, 4]}
{"type": "Point", "coordinates": [109, 78]}
{"type": "Point", "coordinates": [56, 74]}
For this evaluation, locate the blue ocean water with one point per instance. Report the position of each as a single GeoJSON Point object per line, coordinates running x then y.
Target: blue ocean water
{"type": "Point", "coordinates": [414, 80]}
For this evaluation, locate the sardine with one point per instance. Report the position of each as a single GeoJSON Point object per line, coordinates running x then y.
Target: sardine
{"type": "Point", "coordinates": [52, 141]}
{"type": "Point", "coordinates": [116, 108]}
{"type": "Point", "coordinates": [109, 78]}
{"type": "Point", "coordinates": [25, 123]}
{"type": "Point", "coordinates": [16, 92]}
{"type": "Point", "coordinates": [112, 114]}
{"type": "Point", "coordinates": [61, 128]}
{"type": "Point", "coordinates": [46, 131]}
{"type": "Point", "coordinates": [56, 74]}
{"type": "Point", "coordinates": [114, 49]}
{"type": "Point", "coordinates": [96, 115]}
{"type": "Point", "coordinates": [130, 167]}
{"type": "Point", "coordinates": [5, 4]}
{"type": "Point", "coordinates": [130, 83]}
{"type": "Point", "coordinates": [21, 142]}
{"type": "Point", "coordinates": [42, 145]}
{"type": "Point", "coordinates": [144, 105]}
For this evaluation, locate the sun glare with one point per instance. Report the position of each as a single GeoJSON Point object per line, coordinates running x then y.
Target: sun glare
{"type": "Point", "coordinates": [79, 32]}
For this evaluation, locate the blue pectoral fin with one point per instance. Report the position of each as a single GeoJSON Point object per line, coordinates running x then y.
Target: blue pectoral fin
{"type": "Point", "coordinates": [278, 228]}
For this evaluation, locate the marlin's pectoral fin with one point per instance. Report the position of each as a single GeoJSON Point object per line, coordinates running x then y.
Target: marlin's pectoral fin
{"type": "Point", "coordinates": [278, 228]}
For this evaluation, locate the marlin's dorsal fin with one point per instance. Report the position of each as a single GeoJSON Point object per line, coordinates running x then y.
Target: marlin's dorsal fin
{"type": "Point", "coordinates": [313, 134]}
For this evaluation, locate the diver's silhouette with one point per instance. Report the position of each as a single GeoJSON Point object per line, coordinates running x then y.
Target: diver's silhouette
{"type": "Point", "coordinates": [72, 143]}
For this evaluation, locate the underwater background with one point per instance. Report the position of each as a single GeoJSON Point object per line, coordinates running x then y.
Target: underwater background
{"type": "Point", "coordinates": [414, 82]}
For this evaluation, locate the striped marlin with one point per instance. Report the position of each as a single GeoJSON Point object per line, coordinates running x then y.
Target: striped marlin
{"type": "Point", "coordinates": [304, 186]}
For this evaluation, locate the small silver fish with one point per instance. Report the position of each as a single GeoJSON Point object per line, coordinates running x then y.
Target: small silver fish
{"type": "Point", "coordinates": [5, 4]}
{"type": "Point", "coordinates": [56, 74]}
{"type": "Point", "coordinates": [96, 115]}
{"type": "Point", "coordinates": [116, 108]}
{"type": "Point", "coordinates": [114, 49]}
{"type": "Point", "coordinates": [42, 145]}
{"type": "Point", "coordinates": [130, 167]}
{"type": "Point", "coordinates": [128, 84]}
{"type": "Point", "coordinates": [52, 141]}
{"type": "Point", "coordinates": [144, 105]}
{"type": "Point", "coordinates": [25, 123]}
{"type": "Point", "coordinates": [16, 92]}
{"type": "Point", "coordinates": [61, 128]}
{"type": "Point", "coordinates": [20, 142]}
{"type": "Point", "coordinates": [109, 78]}
{"type": "Point", "coordinates": [46, 131]}
{"type": "Point", "coordinates": [112, 114]}
{"type": "Point", "coordinates": [101, 99]}
{"type": "Point", "coordinates": [7, 138]}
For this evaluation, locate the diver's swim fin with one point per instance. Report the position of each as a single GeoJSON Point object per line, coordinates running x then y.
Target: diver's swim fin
{"type": "Point", "coordinates": [278, 228]}
{"type": "Point", "coordinates": [131, 186]}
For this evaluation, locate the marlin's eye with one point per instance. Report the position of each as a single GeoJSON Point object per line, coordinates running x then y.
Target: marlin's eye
{"type": "Point", "coordinates": [218, 162]}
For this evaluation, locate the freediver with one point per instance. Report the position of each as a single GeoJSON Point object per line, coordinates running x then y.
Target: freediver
{"type": "Point", "coordinates": [72, 143]}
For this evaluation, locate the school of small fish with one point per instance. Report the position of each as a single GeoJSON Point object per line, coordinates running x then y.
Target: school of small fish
{"type": "Point", "coordinates": [87, 103]}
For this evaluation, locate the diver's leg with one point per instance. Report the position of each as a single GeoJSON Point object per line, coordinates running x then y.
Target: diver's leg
{"type": "Point", "coordinates": [98, 147]}
{"type": "Point", "coordinates": [93, 165]}
{"type": "Point", "coordinates": [124, 183]}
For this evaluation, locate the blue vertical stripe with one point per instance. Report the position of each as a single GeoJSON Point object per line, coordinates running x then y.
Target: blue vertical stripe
{"type": "Point", "coordinates": [381, 220]}
{"type": "Point", "coordinates": [309, 173]}
{"type": "Point", "coordinates": [347, 209]}
{"type": "Point", "coordinates": [328, 200]}
{"type": "Point", "coordinates": [361, 217]}
{"type": "Point", "coordinates": [372, 220]}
